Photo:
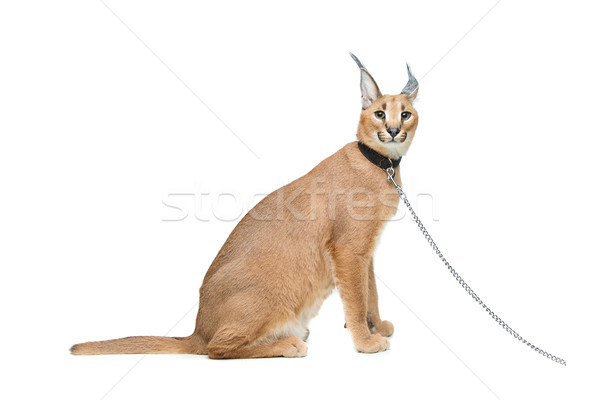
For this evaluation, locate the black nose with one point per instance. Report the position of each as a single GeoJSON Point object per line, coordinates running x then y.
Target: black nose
{"type": "Point", "coordinates": [393, 131]}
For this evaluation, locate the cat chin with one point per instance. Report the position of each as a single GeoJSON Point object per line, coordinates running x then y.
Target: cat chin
{"type": "Point", "coordinates": [392, 150]}
{"type": "Point", "coordinates": [396, 150]}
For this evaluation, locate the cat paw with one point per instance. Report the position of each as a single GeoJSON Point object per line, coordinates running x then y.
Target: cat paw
{"type": "Point", "coordinates": [384, 328]}
{"type": "Point", "coordinates": [373, 344]}
{"type": "Point", "coordinates": [296, 348]}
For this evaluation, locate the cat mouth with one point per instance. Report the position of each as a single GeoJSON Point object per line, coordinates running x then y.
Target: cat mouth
{"type": "Point", "coordinates": [397, 139]}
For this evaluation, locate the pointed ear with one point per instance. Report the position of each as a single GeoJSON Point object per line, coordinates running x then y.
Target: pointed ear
{"type": "Point", "coordinates": [368, 87]}
{"type": "Point", "coordinates": [369, 92]}
{"type": "Point", "coordinates": [412, 86]}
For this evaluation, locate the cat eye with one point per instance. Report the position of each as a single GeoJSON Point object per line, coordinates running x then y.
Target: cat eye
{"type": "Point", "coordinates": [405, 115]}
{"type": "Point", "coordinates": [379, 114]}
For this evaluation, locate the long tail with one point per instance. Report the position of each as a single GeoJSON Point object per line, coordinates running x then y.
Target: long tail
{"type": "Point", "coordinates": [142, 345]}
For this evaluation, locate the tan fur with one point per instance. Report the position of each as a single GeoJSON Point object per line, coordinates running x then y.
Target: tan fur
{"type": "Point", "coordinates": [287, 254]}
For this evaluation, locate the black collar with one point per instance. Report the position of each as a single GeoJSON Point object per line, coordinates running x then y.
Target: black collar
{"type": "Point", "coordinates": [376, 158]}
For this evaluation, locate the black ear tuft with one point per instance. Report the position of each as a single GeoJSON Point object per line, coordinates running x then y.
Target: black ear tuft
{"type": "Point", "coordinates": [357, 61]}
{"type": "Point", "coordinates": [412, 86]}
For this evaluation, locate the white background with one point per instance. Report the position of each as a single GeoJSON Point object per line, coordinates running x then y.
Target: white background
{"type": "Point", "coordinates": [96, 131]}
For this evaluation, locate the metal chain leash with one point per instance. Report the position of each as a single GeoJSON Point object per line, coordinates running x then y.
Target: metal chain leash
{"type": "Point", "coordinates": [390, 172]}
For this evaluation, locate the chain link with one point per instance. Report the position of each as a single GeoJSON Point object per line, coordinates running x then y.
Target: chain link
{"type": "Point", "coordinates": [390, 172]}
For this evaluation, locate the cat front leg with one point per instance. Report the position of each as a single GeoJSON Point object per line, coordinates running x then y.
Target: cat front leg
{"type": "Point", "coordinates": [376, 325]}
{"type": "Point", "coordinates": [352, 280]}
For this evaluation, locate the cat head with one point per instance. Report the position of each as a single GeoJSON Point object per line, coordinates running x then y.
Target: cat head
{"type": "Point", "coordinates": [387, 122]}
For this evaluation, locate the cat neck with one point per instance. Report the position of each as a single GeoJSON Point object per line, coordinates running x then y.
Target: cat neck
{"type": "Point", "coordinates": [376, 158]}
